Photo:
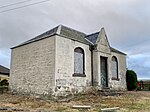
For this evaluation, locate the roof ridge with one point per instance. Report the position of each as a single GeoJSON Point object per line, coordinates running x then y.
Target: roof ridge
{"type": "Point", "coordinates": [40, 36]}
{"type": "Point", "coordinates": [3, 66]}
{"type": "Point", "coordinates": [89, 41]}
{"type": "Point", "coordinates": [58, 30]}
{"type": "Point", "coordinates": [116, 50]}
{"type": "Point", "coordinates": [92, 34]}
{"type": "Point", "coordinates": [92, 37]}
{"type": "Point", "coordinates": [73, 29]}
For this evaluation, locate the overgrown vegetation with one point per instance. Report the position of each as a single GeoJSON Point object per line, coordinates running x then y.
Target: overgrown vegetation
{"type": "Point", "coordinates": [131, 79]}
{"type": "Point", "coordinates": [3, 85]}
{"type": "Point", "coordinates": [4, 82]}
{"type": "Point", "coordinates": [128, 102]}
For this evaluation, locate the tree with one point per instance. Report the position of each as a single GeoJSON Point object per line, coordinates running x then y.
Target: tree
{"type": "Point", "coordinates": [131, 79]}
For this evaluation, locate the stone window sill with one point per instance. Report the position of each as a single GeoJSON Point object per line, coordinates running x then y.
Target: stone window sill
{"type": "Point", "coordinates": [114, 78]}
{"type": "Point", "coordinates": [78, 75]}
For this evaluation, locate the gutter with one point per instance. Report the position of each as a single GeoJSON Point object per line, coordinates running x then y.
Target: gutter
{"type": "Point", "coordinates": [92, 77]}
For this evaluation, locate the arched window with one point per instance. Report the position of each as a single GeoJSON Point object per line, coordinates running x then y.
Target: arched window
{"type": "Point", "coordinates": [114, 68]}
{"type": "Point", "coordinates": [78, 61]}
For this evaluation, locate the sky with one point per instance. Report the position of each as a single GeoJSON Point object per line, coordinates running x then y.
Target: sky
{"type": "Point", "coordinates": [127, 24]}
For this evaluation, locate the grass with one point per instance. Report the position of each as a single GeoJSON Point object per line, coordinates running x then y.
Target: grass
{"type": "Point", "coordinates": [128, 102]}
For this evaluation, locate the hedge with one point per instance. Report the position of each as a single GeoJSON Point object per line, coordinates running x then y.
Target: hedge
{"type": "Point", "coordinates": [131, 79]}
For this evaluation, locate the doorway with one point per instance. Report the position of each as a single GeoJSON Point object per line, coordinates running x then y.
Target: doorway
{"type": "Point", "coordinates": [104, 74]}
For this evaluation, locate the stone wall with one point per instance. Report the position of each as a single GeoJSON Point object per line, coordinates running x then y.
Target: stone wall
{"type": "Point", "coordinates": [121, 83]}
{"type": "Point", "coordinates": [33, 67]}
{"type": "Point", "coordinates": [64, 80]}
{"type": "Point", "coordinates": [46, 67]}
{"type": "Point", "coordinates": [103, 50]}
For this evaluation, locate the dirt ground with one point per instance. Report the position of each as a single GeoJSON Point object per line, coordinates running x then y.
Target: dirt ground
{"type": "Point", "coordinates": [128, 102]}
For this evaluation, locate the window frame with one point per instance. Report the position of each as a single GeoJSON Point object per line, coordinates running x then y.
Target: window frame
{"type": "Point", "coordinates": [116, 77]}
{"type": "Point", "coordinates": [79, 50]}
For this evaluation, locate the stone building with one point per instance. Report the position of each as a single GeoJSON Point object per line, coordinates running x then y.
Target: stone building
{"type": "Point", "coordinates": [64, 61]}
{"type": "Point", "coordinates": [4, 72]}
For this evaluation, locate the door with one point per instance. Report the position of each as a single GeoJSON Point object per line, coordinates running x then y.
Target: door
{"type": "Point", "coordinates": [104, 76]}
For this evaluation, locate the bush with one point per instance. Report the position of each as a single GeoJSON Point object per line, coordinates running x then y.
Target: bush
{"type": "Point", "coordinates": [131, 79]}
{"type": "Point", "coordinates": [3, 89]}
{"type": "Point", "coordinates": [4, 82]}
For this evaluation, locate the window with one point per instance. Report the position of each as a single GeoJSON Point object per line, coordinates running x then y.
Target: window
{"type": "Point", "coordinates": [79, 62]}
{"type": "Point", "coordinates": [114, 68]}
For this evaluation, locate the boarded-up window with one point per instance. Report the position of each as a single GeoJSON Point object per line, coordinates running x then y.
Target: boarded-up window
{"type": "Point", "coordinates": [78, 61]}
{"type": "Point", "coordinates": [114, 67]}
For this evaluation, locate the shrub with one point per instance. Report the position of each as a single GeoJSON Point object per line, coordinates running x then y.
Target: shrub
{"type": "Point", "coordinates": [131, 79]}
{"type": "Point", "coordinates": [4, 82]}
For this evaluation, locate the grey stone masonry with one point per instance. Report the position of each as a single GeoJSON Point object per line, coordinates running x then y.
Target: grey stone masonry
{"type": "Point", "coordinates": [46, 64]}
{"type": "Point", "coordinates": [33, 67]}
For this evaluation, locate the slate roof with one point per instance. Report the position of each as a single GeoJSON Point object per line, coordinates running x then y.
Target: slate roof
{"type": "Point", "coordinates": [116, 51]}
{"type": "Point", "coordinates": [42, 36]}
{"type": "Point", "coordinates": [93, 37]}
{"type": "Point", "coordinates": [68, 33]}
{"type": "Point", "coordinates": [74, 35]}
{"type": "Point", "coordinates": [4, 70]}
{"type": "Point", "coordinates": [62, 31]}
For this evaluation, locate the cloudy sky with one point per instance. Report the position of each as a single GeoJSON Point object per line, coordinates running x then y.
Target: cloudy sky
{"type": "Point", "coordinates": [127, 24]}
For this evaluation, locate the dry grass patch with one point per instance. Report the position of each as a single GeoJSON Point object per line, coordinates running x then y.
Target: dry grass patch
{"type": "Point", "coordinates": [128, 102]}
